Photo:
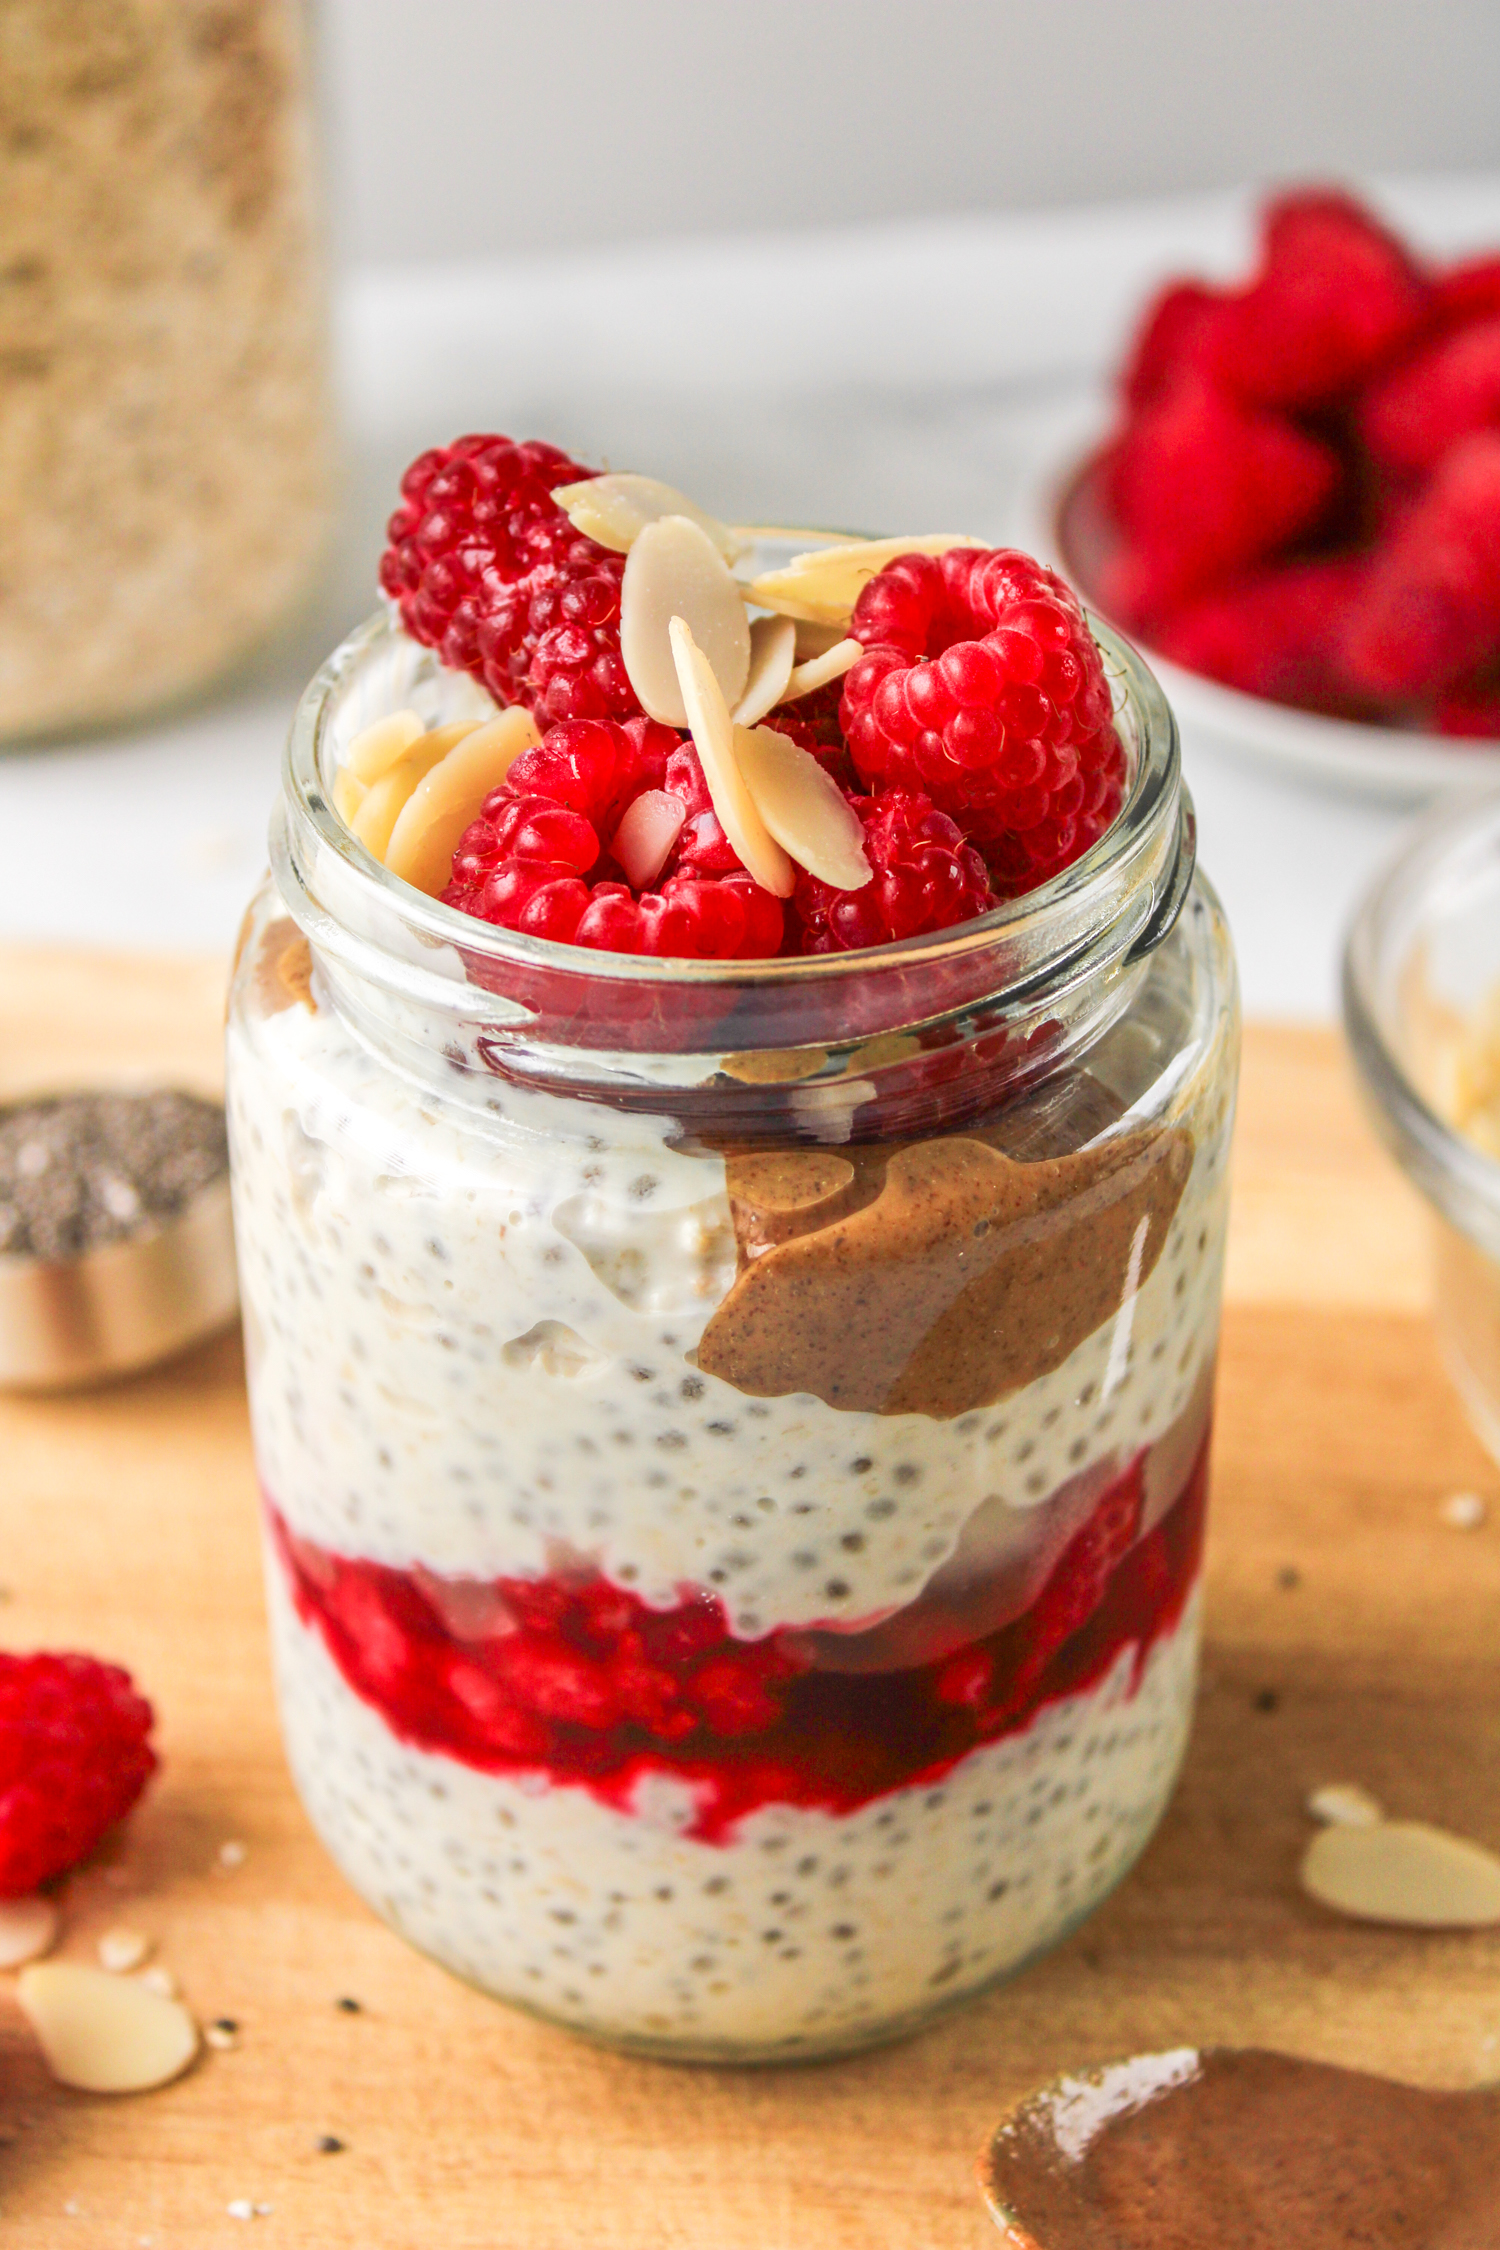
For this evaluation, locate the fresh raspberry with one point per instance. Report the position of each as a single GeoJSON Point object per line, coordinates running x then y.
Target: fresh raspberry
{"type": "Point", "coordinates": [1274, 633]}
{"type": "Point", "coordinates": [926, 878]}
{"type": "Point", "coordinates": [1471, 710]}
{"type": "Point", "coordinates": [1467, 292]}
{"type": "Point", "coordinates": [982, 687]}
{"type": "Point", "coordinates": [1172, 334]}
{"type": "Point", "coordinates": [1418, 412]}
{"type": "Point", "coordinates": [1335, 299]}
{"type": "Point", "coordinates": [1078, 1583]}
{"type": "Point", "coordinates": [488, 570]}
{"type": "Point", "coordinates": [74, 1757]}
{"type": "Point", "coordinates": [1430, 612]}
{"type": "Point", "coordinates": [1202, 488]}
{"type": "Point", "coordinates": [521, 864]}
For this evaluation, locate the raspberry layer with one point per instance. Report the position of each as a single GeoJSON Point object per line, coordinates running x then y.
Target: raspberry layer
{"type": "Point", "coordinates": [580, 1682]}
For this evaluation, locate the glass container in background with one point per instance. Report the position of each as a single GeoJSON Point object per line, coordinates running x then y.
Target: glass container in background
{"type": "Point", "coordinates": [1421, 987]}
{"type": "Point", "coordinates": [166, 429]}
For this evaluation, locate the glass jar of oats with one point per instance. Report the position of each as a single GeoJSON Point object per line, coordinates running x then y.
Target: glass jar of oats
{"type": "Point", "coordinates": [166, 460]}
{"type": "Point", "coordinates": [733, 1433]}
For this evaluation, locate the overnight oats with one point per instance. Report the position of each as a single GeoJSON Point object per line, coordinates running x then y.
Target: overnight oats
{"type": "Point", "coordinates": [730, 1085]}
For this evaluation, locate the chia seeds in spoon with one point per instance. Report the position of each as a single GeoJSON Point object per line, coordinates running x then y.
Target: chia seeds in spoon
{"type": "Point", "coordinates": [81, 1171]}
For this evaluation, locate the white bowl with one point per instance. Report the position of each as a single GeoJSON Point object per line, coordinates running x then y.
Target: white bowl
{"type": "Point", "coordinates": [1400, 766]}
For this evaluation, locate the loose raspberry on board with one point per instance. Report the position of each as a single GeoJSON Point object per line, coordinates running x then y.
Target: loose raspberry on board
{"type": "Point", "coordinates": [75, 1754]}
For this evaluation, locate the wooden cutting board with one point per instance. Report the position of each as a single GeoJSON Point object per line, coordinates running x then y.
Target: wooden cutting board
{"type": "Point", "coordinates": [1352, 1635]}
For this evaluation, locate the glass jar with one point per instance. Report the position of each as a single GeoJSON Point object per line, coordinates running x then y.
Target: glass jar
{"type": "Point", "coordinates": [166, 476]}
{"type": "Point", "coordinates": [733, 1434]}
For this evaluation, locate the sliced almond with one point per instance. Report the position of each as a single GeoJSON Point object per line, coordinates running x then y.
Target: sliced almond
{"type": "Point", "coordinates": [1403, 1871]}
{"type": "Point", "coordinates": [675, 570]}
{"type": "Point", "coordinates": [822, 586]}
{"type": "Point", "coordinates": [819, 670]}
{"type": "Point", "coordinates": [122, 1950]}
{"type": "Point", "coordinates": [28, 1928]}
{"type": "Point", "coordinates": [349, 793]}
{"type": "Point", "coordinates": [713, 734]}
{"type": "Point", "coordinates": [375, 821]}
{"type": "Point", "coordinates": [649, 827]}
{"type": "Point", "coordinates": [615, 510]}
{"type": "Point", "coordinates": [377, 748]}
{"type": "Point", "coordinates": [427, 828]}
{"type": "Point", "coordinates": [803, 807]}
{"type": "Point", "coordinates": [815, 640]}
{"type": "Point", "coordinates": [1343, 1804]}
{"type": "Point", "coordinates": [105, 2034]}
{"type": "Point", "coordinates": [773, 645]}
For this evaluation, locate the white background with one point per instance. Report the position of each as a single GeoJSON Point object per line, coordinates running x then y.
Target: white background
{"type": "Point", "coordinates": [690, 240]}
{"type": "Point", "coordinates": [469, 128]}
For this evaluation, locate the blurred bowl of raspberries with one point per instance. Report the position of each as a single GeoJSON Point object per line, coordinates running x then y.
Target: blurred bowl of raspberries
{"type": "Point", "coordinates": [1297, 510]}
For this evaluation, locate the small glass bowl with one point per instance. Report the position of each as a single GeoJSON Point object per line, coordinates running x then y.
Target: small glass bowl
{"type": "Point", "coordinates": [1421, 961]}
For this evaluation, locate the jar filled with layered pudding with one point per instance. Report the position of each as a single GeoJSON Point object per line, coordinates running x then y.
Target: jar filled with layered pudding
{"type": "Point", "coordinates": [730, 1206]}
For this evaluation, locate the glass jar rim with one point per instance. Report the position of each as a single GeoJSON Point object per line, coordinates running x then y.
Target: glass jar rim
{"type": "Point", "coordinates": [1110, 908]}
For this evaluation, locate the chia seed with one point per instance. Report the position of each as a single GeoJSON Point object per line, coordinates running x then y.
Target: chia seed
{"type": "Point", "coordinates": [81, 1171]}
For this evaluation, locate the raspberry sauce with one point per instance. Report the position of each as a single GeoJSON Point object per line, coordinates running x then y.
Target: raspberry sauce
{"type": "Point", "coordinates": [579, 1680]}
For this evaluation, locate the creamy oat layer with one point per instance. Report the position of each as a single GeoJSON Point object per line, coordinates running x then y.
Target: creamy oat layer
{"type": "Point", "coordinates": [473, 1343]}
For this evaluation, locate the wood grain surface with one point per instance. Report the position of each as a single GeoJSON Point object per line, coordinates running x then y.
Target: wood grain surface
{"type": "Point", "coordinates": [1351, 1636]}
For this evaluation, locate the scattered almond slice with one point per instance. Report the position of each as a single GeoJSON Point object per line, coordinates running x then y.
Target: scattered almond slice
{"type": "Point", "coordinates": [349, 793]}
{"type": "Point", "coordinates": [123, 1950]}
{"type": "Point", "coordinates": [803, 807]}
{"type": "Point", "coordinates": [649, 827]}
{"type": "Point", "coordinates": [375, 821]}
{"type": "Point", "coordinates": [707, 714]}
{"type": "Point", "coordinates": [819, 670]}
{"type": "Point", "coordinates": [1406, 1872]}
{"type": "Point", "coordinates": [427, 828]}
{"type": "Point", "coordinates": [822, 586]}
{"type": "Point", "coordinates": [1463, 1511]}
{"type": "Point", "coordinates": [1343, 1804]}
{"type": "Point", "coordinates": [773, 644]}
{"type": "Point", "coordinates": [615, 510]}
{"type": "Point", "coordinates": [674, 570]}
{"type": "Point", "coordinates": [160, 1979]}
{"type": "Point", "coordinates": [28, 1928]}
{"type": "Point", "coordinates": [377, 748]}
{"type": "Point", "coordinates": [105, 2034]}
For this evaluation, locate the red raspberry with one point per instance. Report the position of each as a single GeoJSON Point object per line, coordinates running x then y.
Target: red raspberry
{"type": "Point", "coordinates": [926, 878]}
{"type": "Point", "coordinates": [488, 570]}
{"type": "Point", "coordinates": [1417, 413]}
{"type": "Point", "coordinates": [1078, 1584]}
{"type": "Point", "coordinates": [982, 687]}
{"type": "Point", "coordinates": [1472, 709]}
{"type": "Point", "coordinates": [1202, 487]}
{"type": "Point", "coordinates": [1336, 298]}
{"type": "Point", "coordinates": [521, 864]}
{"type": "Point", "coordinates": [74, 1757]}
{"type": "Point", "coordinates": [1274, 633]}
{"type": "Point", "coordinates": [1467, 292]}
{"type": "Point", "coordinates": [1172, 334]}
{"type": "Point", "coordinates": [1430, 613]}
